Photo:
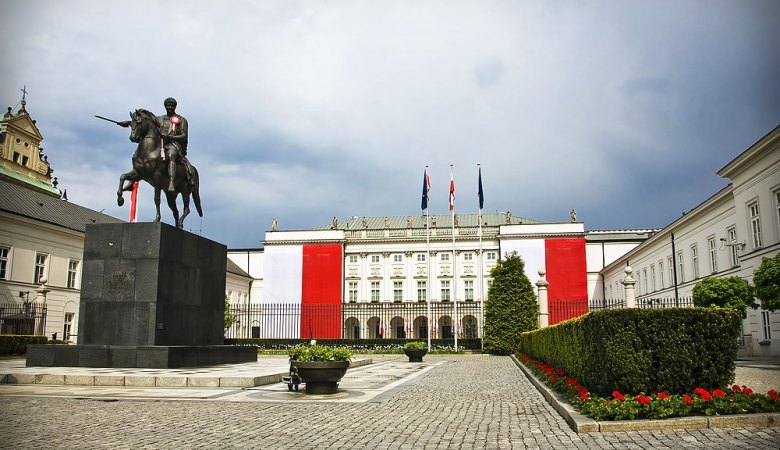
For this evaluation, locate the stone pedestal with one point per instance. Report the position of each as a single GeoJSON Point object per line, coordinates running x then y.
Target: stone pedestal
{"type": "Point", "coordinates": [151, 296]}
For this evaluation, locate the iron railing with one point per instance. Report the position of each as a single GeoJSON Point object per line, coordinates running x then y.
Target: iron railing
{"type": "Point", "coordinates": [397, 320]}
{"type": "Point", "coordinates": [28, 318]}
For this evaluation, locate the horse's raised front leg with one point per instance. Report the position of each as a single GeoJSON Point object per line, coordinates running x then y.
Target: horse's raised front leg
{"type": "Point", "coordinates": [126, 181]}
{"type": "Point", "coordinates": [157, 203]}
{"type": "Point", "coordinates": [171, 197]}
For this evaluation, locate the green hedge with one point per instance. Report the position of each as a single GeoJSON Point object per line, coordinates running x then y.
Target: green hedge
{"type": "Point", "coordinates": [13, 344]}
{"type": "Point", "coordinates": [367, 344]}
{"type": "Point", "coordinates": [642, 350]}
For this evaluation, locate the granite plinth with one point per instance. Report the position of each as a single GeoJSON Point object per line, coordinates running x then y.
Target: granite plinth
{"type": "Point", "coordinates": [149, 357]}
{"type": "Point", "coordinates": [146, 284]}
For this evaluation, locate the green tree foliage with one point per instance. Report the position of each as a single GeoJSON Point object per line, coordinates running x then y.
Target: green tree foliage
{"type": "Point", "coordinates": [230, 317]}
{"type": "Point", "coordinates": [511, 307]}
{"type": "Point", "coordinates": [766, 279]}
{"type": "Point", "coordinates": [729, 292]}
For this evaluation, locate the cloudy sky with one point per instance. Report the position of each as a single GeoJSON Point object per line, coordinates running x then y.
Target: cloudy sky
{"type": "Point", "coordinates": [301, 111]}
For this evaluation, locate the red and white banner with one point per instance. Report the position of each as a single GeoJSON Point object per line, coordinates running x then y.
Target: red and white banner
{"type": "Point", "coordinates": [134, 202]}
{"type": "Point", "coordinates": [564, 261]}
{"type": "Point", "coordinates": [309, 276]}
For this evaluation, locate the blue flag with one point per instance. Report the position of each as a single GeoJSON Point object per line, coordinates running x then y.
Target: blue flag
{"type": "Point", "coordinates": [480, 193]}
{"type": "Point", "coordinates": [425, 189]}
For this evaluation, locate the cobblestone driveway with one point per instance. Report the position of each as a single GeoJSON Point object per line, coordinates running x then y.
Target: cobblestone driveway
{"type": "Point", "coordinates": [477, 401]}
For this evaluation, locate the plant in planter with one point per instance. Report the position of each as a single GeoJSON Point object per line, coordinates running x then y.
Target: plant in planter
{"type": "Point", "coordinates": [319, 366]}
{"type": "Point", "coordinates": [415, 350]}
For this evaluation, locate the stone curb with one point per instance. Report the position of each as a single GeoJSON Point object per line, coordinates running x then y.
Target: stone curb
{"type": "Point", "coordinates": [147, 380]}
{"type": "Point", "coordinates": [582, 424]}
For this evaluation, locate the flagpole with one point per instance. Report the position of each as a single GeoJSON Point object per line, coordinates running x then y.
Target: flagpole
{"type": "Point", "coordinates": [454, 262]}
{"type": "Point", "coordinates": [481, 263]}
{"type": "Point", "coordinates": [427, 257]}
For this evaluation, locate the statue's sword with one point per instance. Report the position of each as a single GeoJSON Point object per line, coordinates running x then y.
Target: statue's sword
{"type": "Point", "coordinates": [107, 119]}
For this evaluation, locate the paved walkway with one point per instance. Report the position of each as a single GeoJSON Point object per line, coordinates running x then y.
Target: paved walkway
{"type": "Point", "coordinates": [461, 401]}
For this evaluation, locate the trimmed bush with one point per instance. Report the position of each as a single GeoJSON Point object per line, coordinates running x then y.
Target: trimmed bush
{"type": "Point", "coordinates": [510, 308]}
{"type": "Point", "coordinates": [14, 344]}
{"type": "Point", "coordinates": [642, 350]}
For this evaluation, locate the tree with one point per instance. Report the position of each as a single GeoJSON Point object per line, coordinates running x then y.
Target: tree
{"type": "Point", "coordinates": [510, 308]}
{"type": "Point", "coordinates": [766, 279]}
{"type": "Point", "coordinates": [230, 317]}
{"type": "Point", "coordinates": [729, 292]}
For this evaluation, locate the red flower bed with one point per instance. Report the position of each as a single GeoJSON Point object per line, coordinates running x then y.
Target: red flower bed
{"type": "Point", "coordinates": [733, 400]}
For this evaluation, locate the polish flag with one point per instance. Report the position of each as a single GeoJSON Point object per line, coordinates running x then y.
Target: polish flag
{"type": "Point", "coordinates": [452, 193]}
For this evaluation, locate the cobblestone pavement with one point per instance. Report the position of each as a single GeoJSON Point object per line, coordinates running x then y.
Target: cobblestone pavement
{"type": "Point", "coordinates": [471, 401]}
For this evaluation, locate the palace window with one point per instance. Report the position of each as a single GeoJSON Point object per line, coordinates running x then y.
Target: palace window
{"type": "Point", "coordinates": [4, 252]}
{"type": "Point", "coordinates": [422, 291]}
{"type": "Point", "coordinates": [755, 224]}
{"type": "Point", "coordinates": [713, 248]}
{"type": "Point", "coordinates": [491, 256]}
{"type": "Point", "coordinates": [652, 278]}
{"type": "Point", "coordinates": [67, 325]}
{"type": "Point", "coordinates": [445, 256]}
{"type": "Point", "coordinates": [732, 232]}
{"type": "Point", "coordinates": [41, 260]}
{"type": "Point", "coordinates": [671, 271]}
{"type": "Point", "coordinates": [695, 260]}
{"type": "Point", "coordinates": [421, 257]}
{"type": "Point", "coordinates": [375, 291]}
{"type": "Point", "coordinates": [661, 273]}
{"type": "Point", "coordinates": [352, 291]}
{"type": "Point", "coordinates": [398, 291]}
{"type": "Point", "coordinates": [398, 257]}
{"type": "Point", "coordinates": [445, 290]}
{"type": "Point", "coordinates": [374, 258]}
{"type": "Point", "coordinates": [766, 326]}
{"type": "Point", "coordinates": [468, 256]}
{"type": "Point", "coordinates": [680, 267]}
{"type": "Point", "coordinates": [353, 259]}
{"type": "Point", "coordinates": [468, 290]}
{"type": "Point", "coordinates": [73, 273]}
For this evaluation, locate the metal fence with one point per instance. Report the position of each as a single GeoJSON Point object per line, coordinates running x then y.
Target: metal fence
{"type": "Point", "coordinates": [560, 310]}
{"type": "Point", "coordinates": [357, 320]}
{"type": "Point", "coordinates": [28, 318]}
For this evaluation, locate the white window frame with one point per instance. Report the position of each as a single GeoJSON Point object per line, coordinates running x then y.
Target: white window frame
{"type": "Point", "coordinates": [376, 290]}
{"type": "Point", "coordinates": [446, 292]}
{"type": "Point", "coordinates": [73, 273]}
{"type": "Point", "coordinates": [67, 325]}
{"type": "Point", "coordinates": [422, 291]}
{"type": "Point", "coordinates": [398, 291]}
{"type": "Point", "coordinates": [670, 262]}
{"type": "Point", "coordinates": [374, 258]}
{"type": "Point", "coordinates": [353, 259]}
{"type": "Point", "coordinates": [398, 257]}
{"type": "Point", "coordinates": [695, 260]}
{"type": "Point", "coordinates": [652, 278]}
{"type": "Point", "coordinates": [732, 239]}
{"type": "Point", "coordinates": [5, 262]}
{"type": "Point", "coordinates": [41, 267]}
{"type": "Point", "coordinates": [680, 268]}
{"type": "Point", "coordinates": [713, 248]}
{"type": "Point", "coordinates": [468, 256]}
{"type": "Point", "coordinates": [352, 291]}
{"type": "Point", "coordinates": [421, 257]}
{"type": "Point", "coordinates": [661, 272]}
{"type": "Point", "coordinates": [491, 256]}
{"type": "Point", "coordinates": [754, 223]}
{"type": "Point", "coordinates": [468, 290]}
{"type": "Point", "coordinates": [445, 257]}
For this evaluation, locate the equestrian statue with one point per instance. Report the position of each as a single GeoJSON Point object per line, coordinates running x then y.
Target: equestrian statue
{"type": "Point", "coordinates": [161, 159]}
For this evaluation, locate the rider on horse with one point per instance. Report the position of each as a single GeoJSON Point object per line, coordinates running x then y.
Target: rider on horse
{"type": "Point", "coordinates": [174, 131]}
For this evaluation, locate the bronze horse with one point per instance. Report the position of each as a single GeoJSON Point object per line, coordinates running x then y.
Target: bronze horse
{"type": "Point", "coordinates": [150, 167]}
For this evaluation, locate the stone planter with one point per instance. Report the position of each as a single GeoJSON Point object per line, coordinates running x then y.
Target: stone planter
{"type": "Point", "coordinates": [321, 377]}
{"type": "Point", "coordinates": [415, 355]}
